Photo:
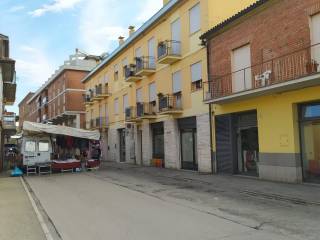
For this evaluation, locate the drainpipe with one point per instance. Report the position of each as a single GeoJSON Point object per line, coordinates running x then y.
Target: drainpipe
{"type": "Point", "coordinates": [205, 43]}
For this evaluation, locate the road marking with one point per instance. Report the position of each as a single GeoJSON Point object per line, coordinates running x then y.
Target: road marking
{"type": "Point", "coordinates": [35, 208]}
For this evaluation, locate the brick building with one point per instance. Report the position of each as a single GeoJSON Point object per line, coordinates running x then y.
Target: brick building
{"type": "Point", "coordinates": [264, 84]}
{"type": "Point", "coordinates": [24, 108]}
{"type": "Point", "coordinates": [60, 99]}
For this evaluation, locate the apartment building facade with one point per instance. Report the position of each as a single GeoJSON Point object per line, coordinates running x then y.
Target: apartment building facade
{"type": "Point", "coordinates": [7, 93]}
{"type": "Point", "coordinates": [263, 87]}
{"type": "Point", "coordinates": [146, 97]}
{"type": "Point", "coordinates": [60, 100]}
{"type": "Point", "coordinates": [24, 108]}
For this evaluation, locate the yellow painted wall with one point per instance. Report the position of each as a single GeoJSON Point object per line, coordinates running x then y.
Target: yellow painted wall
{"type": "Point", "coordinates": [212, 12]}
{"type": "Point", "coordinates": [277, 118]}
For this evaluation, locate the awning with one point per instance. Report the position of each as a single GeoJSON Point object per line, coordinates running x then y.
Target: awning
{"type": "Point", "coordinates": [59, 130]}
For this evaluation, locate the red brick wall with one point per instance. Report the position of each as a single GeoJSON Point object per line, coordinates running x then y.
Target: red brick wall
{"type": "Point", "coordinates": [281, 28]}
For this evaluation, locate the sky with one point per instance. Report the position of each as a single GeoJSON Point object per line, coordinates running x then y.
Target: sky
{"type": "Point", "coordinates": [43, 33]}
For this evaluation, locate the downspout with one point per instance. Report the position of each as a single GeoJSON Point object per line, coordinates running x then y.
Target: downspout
{"type": "Point", "coordinates": [207, 45]}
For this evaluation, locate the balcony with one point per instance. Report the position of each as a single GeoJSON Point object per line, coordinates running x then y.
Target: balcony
{"type": "Point", "coordinates": [9, 92]}
{"type": "Point", "coordinates": [145, 66]}
{"type": "Point", "coordinates": [169, 52]}
{"type": "Point", "coordinates": [100, 92]}
{"type": "Point", "coordinates": [170, 104]}
{"type": "Point", "coordinates": [9, 121]}
{"type": "Point", "coordinates": [88, 99]}
{"type": "Point", "coordinates": [131, 114]}
{"type": "Point", "coordinates": [296, 70]}
{"type": "Point", "coordinates": [147, 110]}
{"type": "Point", "coordinates": [130, 73]}
{"type": "Point", "coordinates": [8, 70]}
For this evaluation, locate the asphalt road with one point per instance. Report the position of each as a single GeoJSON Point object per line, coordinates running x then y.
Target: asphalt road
{"type": "Point", "coordinates": [110, 205]}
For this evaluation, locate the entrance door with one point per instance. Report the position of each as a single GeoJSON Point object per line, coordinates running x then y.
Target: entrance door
{"type": "Point", "coordinates": [310, 142]}
{"type": "Point", "coordinates": [188, 149]}
{"type": "Point", "coordinates": [122, 138]}
{"type": "Point", "coordinates": [248, 151]}
{"type": "Point", "coordinates": [241, 62]}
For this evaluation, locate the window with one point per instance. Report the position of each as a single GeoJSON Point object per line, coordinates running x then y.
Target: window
{"type": "Point", "coordinates": [152, 92]}
{"type": "Point", "coordinates": [315, 39]}
{"type": "Point", "coordinates": [30, 146]}
{"type": "Point", "coordinates": [116, 72]}
{"type": "Point", "coordinates": [139, 95]}
{"type": "Point", "coordinates": [43, 146]}
{"type": "Point", "coordinates": [116, 106]}
{"type": "Point", "coordinates": [241, 62]}
{"type": "Point", "coordinates": [125, 102]}
{"type": "Point", "coordinates": [196, 76]}
{"type": "Point", "coordinates": [176, 82]}
{"type": "Point", "coordinates": [311, 111]}
{"type": "Point", "coordinates": [151, 52]}
{"type": "Point", "coordinates": [194, 19]}
{"type": "Point", "coordinates": [138, 52]}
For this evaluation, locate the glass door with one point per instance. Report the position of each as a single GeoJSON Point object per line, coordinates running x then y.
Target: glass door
{"type": "Point", "coordinates": [310, 142]}
{"type": "Point", "coordinates": [188, 149]}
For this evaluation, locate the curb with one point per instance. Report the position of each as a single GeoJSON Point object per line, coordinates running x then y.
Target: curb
{"type": "Point", "coordinates": [44, 226]}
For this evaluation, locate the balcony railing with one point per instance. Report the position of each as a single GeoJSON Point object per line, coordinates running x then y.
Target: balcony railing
{"type": "Point", "coordinates": [146, 110]}
{"type": "Point", "coordinates": [130, 113]}
{"type": "Point", "coordinates": [169, 51]}
{"type": "Point", "coordinates": [130, 73]}
{"type": "Point", "coordinates": [9, 121]}
{"type": "Point", "coordinates": [170, 104]}
{"type": "Point", "coordinates": [101, 91]}
{"type": "Point", "coordinates": [145, 65]}
{"type": "Point", "coordinates": [284, 69]}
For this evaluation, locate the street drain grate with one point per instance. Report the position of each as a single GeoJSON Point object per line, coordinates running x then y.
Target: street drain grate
{"type": "Point", "coordinates": [280, 198]}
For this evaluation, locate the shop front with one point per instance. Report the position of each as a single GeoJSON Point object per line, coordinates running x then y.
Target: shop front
{"type": "Point", "coordinates": [237, 143]}
{"type": "Point", "coordinates": [310, 141]}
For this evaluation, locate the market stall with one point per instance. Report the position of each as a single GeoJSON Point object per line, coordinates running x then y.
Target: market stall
{"type": "Point", "coordinates": [60, 147]}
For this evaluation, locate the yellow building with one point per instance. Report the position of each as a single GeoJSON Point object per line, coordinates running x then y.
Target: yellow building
{"type": "Point", "coordinates": [146, 96]}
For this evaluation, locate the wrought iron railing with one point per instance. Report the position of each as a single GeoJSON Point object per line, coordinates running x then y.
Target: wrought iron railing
{"type": "Point", "coordinates": [130, 113]}
{"type": "Point", "coordinates": [146, 109]}
{"type": "Point", "coordinates": [8, 121]}
{"type": "Point", "coordinates": [169, 48]}
{"type": "Point", "coordinates": [301, 63]}
{"type": "Point", "coordinates": [170, 102]}
{"type": "Point", "coordinates": [129, 71]}
{"type": "Point", "coordinates": [145, 63]}
{"type": "Point", "coordinates": [101, 90]}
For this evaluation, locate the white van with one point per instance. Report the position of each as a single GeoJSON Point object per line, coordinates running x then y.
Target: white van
{"type": "Point", "coordinates": [36, 150]}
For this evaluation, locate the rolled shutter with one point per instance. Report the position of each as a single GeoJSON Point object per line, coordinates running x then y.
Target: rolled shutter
{"type": "Point", "coordinates": [152, 92]}
{"type": "Point", "coordinates": [196, 72]}
{"type": "Point", "coordinates": [176, 82]}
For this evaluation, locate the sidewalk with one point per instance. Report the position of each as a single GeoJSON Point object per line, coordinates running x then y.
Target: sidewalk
{"type": "Point", "coordinates": [17, 217]}
{"type": "Point", "coordinates": [304, 194]}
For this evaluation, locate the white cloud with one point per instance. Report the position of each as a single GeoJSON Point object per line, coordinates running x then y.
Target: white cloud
{"type": "Point", "coordinates": [101, 22]}
{"type": "Point", "coordinates": [16, 8]}
{"type": "Point", "coordinates": [33, 66]}
{"type": "Point", "coordinates": [55, 6]}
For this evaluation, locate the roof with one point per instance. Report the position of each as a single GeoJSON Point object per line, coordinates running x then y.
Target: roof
{"type": "Point", "coordinates": [75, 62]}
{"type": "Point", "coordinates": [164, 10]}
{"type": "Point", "coordinates": [26, 98]}
{"type": "Point", "coordinates": [32, 127]}
{"type": "Point", "coordinates": [232, 19]}
{"type": "Point", "coordinates": [3, 36]}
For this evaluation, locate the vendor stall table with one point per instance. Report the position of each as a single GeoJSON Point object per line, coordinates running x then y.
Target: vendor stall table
{"type": "Point", "coordinates": [65, 165]}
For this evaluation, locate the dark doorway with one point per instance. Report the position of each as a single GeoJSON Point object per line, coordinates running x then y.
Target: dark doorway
{"type": "Point", "coordinates": [122, 145]}
{"type": "Point", "coordinates": [237, 143]}
{"type": "Point", "coordinates": [158, 141]}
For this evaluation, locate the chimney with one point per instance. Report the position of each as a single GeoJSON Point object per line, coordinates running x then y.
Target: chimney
{"type": "Point", "coordinates": [131, 30]}
{"type": "Point", "coordinates": [121, 40]}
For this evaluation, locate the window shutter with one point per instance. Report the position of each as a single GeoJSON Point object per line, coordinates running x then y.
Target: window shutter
{"type": "Point", "coordinates": [116, 106]}
{"type": "Point", "coordinates": [152, 92]}
{"type": "Point", "coordinates": [176, 82]}
{"type": "Point", "coordinates": [138, 52]}
{"type": "Point", "coordinates": [151, 47]}
{"type": "Point", "coordinates": [195, 22]}
{"type": "Point", "coordinates": [196, 72]}
{"type": "Point", "coordinates": [125, 102]}
{"type": "Point", "coordinates": [125, 62]}
{"type": "Point", "coordinates": [139, 95]}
